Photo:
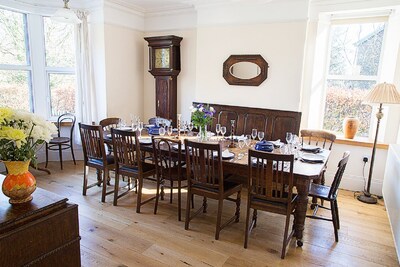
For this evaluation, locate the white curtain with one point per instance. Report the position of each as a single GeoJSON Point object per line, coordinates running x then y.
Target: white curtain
{"type": "Point", "coordinates": [86, 110]}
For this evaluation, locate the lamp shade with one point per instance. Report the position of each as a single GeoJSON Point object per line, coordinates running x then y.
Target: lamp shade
{"type": "Point", "coordinates": [383, 93]}
{"type": "Point", "coordinates": [66, 15]}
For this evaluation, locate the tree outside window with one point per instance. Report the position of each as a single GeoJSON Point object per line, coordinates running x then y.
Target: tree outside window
{"type": "Point", "coordinates": [355, 53]}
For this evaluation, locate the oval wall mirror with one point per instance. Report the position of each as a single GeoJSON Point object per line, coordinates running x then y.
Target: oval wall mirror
{"type": "Point", "coordinates": [245, 70]}
{"type": "Point", "coordinates": [250, 70]}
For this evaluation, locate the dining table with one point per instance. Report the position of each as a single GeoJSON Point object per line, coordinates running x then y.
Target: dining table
{"type": "Point", "coordinates": [304, 172]}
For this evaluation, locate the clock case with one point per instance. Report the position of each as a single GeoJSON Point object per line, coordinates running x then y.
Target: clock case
{"type": "Point", "coordinates": [159, 42]}
{"type": "Point", "coordinates": [165, 78]}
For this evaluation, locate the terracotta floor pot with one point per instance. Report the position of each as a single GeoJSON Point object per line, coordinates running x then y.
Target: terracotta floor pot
{"type": "Point", "coordinates": [350, 127]}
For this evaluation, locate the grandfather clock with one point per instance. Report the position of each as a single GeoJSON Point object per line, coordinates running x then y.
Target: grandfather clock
{"type": "Point", "coordinates": [165, 65]}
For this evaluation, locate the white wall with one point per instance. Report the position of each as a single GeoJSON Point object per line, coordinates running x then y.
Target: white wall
{"type": "Point", "coordinates": [280, 44]}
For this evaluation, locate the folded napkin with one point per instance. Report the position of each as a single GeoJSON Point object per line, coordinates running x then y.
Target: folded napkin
{"type": "Point", "coordinates": [226, 154]}
{"type": "Point", "coordinates": [154, 130]}
{"type": "Point", "coordinates": [264, 146]}
{"type": "Point", "coordinates": [277, 143]}
{"type": "Point", "coordinates": [237, 137]}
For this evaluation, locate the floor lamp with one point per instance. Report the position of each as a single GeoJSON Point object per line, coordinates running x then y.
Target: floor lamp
{"type": "Point", "coordinates": [383, 93]}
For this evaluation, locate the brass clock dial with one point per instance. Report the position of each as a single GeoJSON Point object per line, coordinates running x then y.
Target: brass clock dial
{"type": "Point", "coordinates": [161, 58]}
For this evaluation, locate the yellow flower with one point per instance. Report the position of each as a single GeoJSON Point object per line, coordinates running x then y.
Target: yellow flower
{"type": "Point", "coordinates": [5, 113]}
{"type": "Point", "coordinates": [16, 135]}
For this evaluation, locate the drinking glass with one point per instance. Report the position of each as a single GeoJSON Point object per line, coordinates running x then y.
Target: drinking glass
{"type": "Point", "coordinates": [161, 131]}
{"type": "Point", "coordinates": [121, 123]}
{"type": "Point", "coordinates": [223, 131]}
{"type": "Point", "coordinates": [289, 140]}
{"type": "Point", "coordinates": [247, 142]}
{"type": "Point", "coordinates": [134, 126]}
{"type": "Point", "coordinates": [169, 130]}
{"type": "Point", "coordinates": [140, 128]}
{"type": "Point", "coordinates": [254, 133]}
{"type": "Point", "coordinates": [217, 129]}
{"type": "Point", "coordinates": [191, 127]}
{"type": "Point", "coordinates": [260, 136]}
{"type": "Point", "coordinates": [241, 146]}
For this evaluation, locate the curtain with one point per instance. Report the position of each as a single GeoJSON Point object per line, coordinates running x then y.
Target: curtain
{"type": "Point", "coordinates": [86, 109]}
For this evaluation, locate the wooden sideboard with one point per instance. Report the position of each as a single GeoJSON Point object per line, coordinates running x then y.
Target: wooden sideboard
{"type": "Point", "coordinates": [274, 123]}
{"type": "Point", "coordinates": [43, 232]}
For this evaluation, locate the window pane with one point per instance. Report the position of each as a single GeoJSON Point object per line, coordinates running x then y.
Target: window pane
{"type": "Point", "coordinates": [345, 98]}
{"type": "Point", "coordinates": [62, 93]}
{"type": "Point", "coordinates": [356, 49]}
{"type": "Point", "coordinates": [14, 89]}
{"type": "Point", "coordinates": [59, 39]}
{"type": "Point", "coordinates": [12, 41]}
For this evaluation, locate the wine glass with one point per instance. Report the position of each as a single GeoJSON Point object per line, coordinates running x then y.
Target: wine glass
{"type": "Point", "coordinates": [260, 135]}
{"type": "Point", "coordinates": [253, 133]}
{"type": "Point", "coordinates": [223, 131]}
{"type": "Point", "coordinates": [121, 123]}
{"type": "Point", "coordinates": [217, 129]}
{"type": "Point", "coordinates": [247, 142]}
{"type": "Point", "coordinates": [140, 128]}
{"type": "Point", "coordinates": [289, 140]}
{"type": "Point", "coordinates": [161, 131]}
{"type": "Point", "coordinates": [169, 130]}
{"type": "Point", "coordinates": [191, 127]}
{"type": "Point", "coordinates": [241, 146]}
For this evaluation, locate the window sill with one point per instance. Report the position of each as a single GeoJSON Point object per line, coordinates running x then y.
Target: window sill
{"type": "Point", "coordinates": [360, 141]}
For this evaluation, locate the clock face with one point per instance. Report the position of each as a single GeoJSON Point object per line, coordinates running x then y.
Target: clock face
{"type": "Point", "coordinates": [161, 56]}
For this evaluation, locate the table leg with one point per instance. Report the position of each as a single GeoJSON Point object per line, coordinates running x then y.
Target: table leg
{"type": "Point", "coordinates": [301, 209]}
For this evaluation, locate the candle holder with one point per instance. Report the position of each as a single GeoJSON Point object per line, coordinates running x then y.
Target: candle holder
{"type": "Point", "coordinates": [179, 126]}
{"type": "Point", "coordinates": [232, 144]}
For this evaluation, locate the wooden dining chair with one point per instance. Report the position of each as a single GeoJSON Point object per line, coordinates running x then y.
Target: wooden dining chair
{"type": "Point", "coordinates": [206, 178]}
{"type": "Point", "coordinates": [129, 162]}
{"type": "Point", "coordinates": [94, 155]}
{"type": "Point", "coordinates": [60, 142]}
{"type": "Point", "coordinates": [108, 124]}
{"type": "Point", "coordinates": [270, 188]}
{"type": "Point", "coordinates": [169, 164]}
{"type": "Point", "coordinates": [322, 139]}
{"type": "Point", "coordinates": [330, 193]}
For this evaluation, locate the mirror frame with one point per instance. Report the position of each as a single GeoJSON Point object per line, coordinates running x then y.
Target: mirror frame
{"type": "Point", "coordinates": [255, 81]}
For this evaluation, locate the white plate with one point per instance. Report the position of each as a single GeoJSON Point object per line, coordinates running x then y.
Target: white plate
{"type": "Point", "coordinates": [125, 128]}
{"type": "Point", "coordinates": [145, 141]}
{"type": "Point", "coordinates": [313, 157]}
{"type": "Point", "coordinates": [225, 154]}
{"type": "Point", "coordinates": [176, 147]}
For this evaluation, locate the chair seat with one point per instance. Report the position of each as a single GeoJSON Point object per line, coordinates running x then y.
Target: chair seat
{"type": "Point", "coordinates": [146, 167]}
{"type": "Point", "coordinates": [320, 191]}
{"type": "Point", "coordinates": [173, 175]}
{"type": "Point", "coordinates": [59, 140]}
{"type": "Point", "coordinates": [228, 186]}
{"type": "Point", "coordinates": [110, 160]}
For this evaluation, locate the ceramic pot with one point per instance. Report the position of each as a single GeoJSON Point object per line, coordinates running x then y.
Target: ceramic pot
{"type": "Point", "coordinates": [19, 183]}
{"type": "Point", "coordinates": [350, 127]}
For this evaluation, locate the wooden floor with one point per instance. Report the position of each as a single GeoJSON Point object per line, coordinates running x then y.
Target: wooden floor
{"type": "Point", "coordinates": [118, 236]}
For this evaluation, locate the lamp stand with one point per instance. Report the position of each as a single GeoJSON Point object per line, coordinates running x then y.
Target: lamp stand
{"type": "Point", "coordinates": [366, 197]}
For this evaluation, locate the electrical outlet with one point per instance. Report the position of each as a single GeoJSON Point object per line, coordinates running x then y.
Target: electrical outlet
{"type": "Point", "coordinates": [365, 159]}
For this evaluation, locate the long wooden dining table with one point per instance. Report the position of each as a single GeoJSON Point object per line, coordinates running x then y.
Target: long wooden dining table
{"type": "Point", "coordinates": [304, 173]}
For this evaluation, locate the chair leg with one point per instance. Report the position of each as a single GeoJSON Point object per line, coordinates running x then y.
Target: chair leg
{"type": "Point", "coordinates": [247, 230]}
{"type": "Point", "coordinates": [72, 152]}
{"type": "Point", "coordinates": [139, 194]}
{"type": "Point", "coordinates": [334, 221]}
{"type": "Point", "coordinates": [104, 190]}
{"type": "Point", "coordinates": [337, 214]}
{"type": "Point", "coordinates": [157, 193]}
{"type": "Point", "coordinates": [60, 153]}
{"type": "Point", "coordinates": [179, 200]}
{"type": "Point", "coordinates": [47, 154]}
{"type": "Point", "coordinates": [255, 218]}
{"type": "Point", "coordinates": [187, 217]}
{"type": "Point", "coordinates": [285, 241]}
{"type": "Point", "coordinates": [219, 217]}
{"type": "Point", "coordinates": [116, 189]}
{"type": "Point", "coordinates": [171, 191]}
{"type": "Point", "coordinates": [85, 179]}
{"type": "Point", "coordinates": [237, 213]}
{"type": "Point", "coordinates": [323, 183]}
{"type": "Point", "coordinates": [204, 205]}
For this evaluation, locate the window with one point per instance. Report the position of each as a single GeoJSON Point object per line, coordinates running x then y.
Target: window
{"type": "Point", "coordinates": [353, 68]}
{"type": "Point", "coordinates": [37, 64]}
{"type": "Point", "coordinates": [15, 69]}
